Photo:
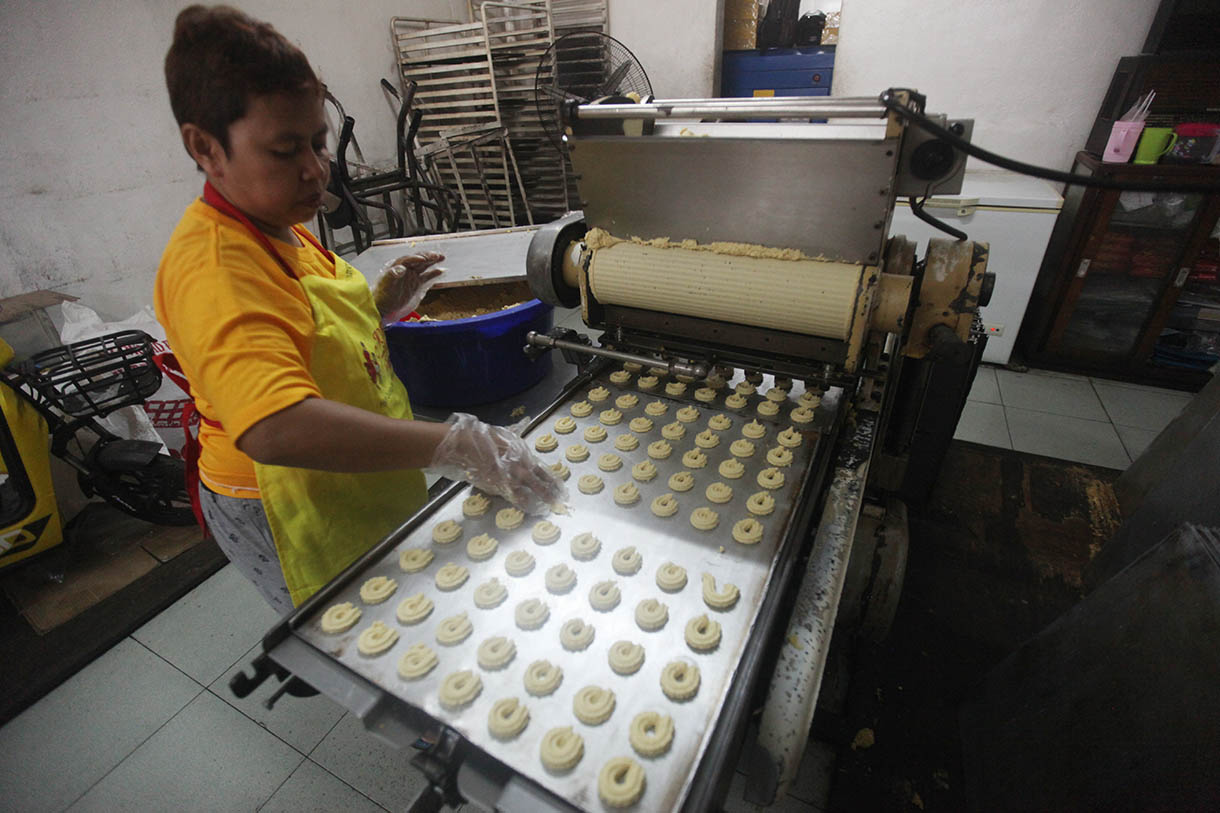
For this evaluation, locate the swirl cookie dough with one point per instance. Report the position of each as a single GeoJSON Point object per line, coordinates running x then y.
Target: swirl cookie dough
{"type": "Point", "coordinates": [647, 382]}
{"type": "Point", "coordinates": [707, 439]}
{"type": "Point", "coordinates": [719, 493]}
{"type": "Point", "coordinates": [446, 532]}
{"type": "Point", "coordinates": [651, 733]}
{"type": "Point", "coordinates": [626, 442]}
{"type": "Point", "coordinates": [745, 388]}
{"type": "Point", "coordinates": [721, 599]}
{"type": "Point", "coordinates": [542, 678]}
{"type": "Point", "coordinates": [620, 377]}
{"type": "Point", "coordinates": [626, 494]}
{"type": "Point", "coordinates": [719, 422]}
{"type": "Point", "coordinates": [771, 478]}
{"type": "Point", "coordinates": [776, 394]}
{"type": "Point", "coordinates": [670, 577]}
{"type": "Point", "coordinates": [626, 561]}
{"type": "Point", "coordinates": [626, 658]}
{"type": "Point", "coordinates": [604, 596]}
{"type": "Point", "coordinates": [731, 469]}
{"type": "Point", "coordinates": [754, 430]}
{"type": "Point", "coordinates": [644, 471]}
{"type": "Point", "coordinates": [560, 470]}
{"type": "Point", "coordinates": [609, 462]}
{"type": "Point", "coordinates": [810, 399]}
{"type": "Point", "coordinates": [509, 518]}
{"type": "Point", "coordinates": [482, 547]}
{"type": "Point", "coordinates": [519, 563]}
{"type": "Point", "coordinates": [741, 448]}
{"type": "Point", "coordinates": [490, 594]}
{"type": "Point", "coordinates": [694, 459]}
{"type": "Point", "coordinates": [585, 546]}
{"type": "Point", "coordinates": [576, 635]}
{"type": "Point", "coordinates": [561, 749]}
{"type": "Point", "coordinates": [598, 394]}
{"type": "Point", "coordinates": [656, 408]}
{"type": "Point", "coordinates": [627, 401]}
{"type": "Point", "coordinates": [673, 431]}
{"type": "Point", "coordinates": [760, 504]}
{"type": "Point", "coordinates": [680, 680]}
{"type": "Point", "coordinates": [735, 401]}
{"type": "Point", "coordinates": [768, 408]}
{"type": "Point", "coordinates": [453, 630]}
{"type": "Point", "coordinates": [704, 519]}
{"type": "Point", "coordinates": [659, 449]}
{"type": "Point", "coordinates": [651, 614]}
{"type": "Point", "coordinates": [801, 415]}
{"type": "Point", "coordinates": [705, 394]}
{"type": "Point", "coordinates": [376, 638]}
{"type": "Point", "coordinates": [665, 505]}
{"type": "Point", "coordinates": [417, 661]}
{"type": "Point", "coordinates": [779, 456]}
{"type": "Point", "coordinates": [576, 453]}
{"type": "Point", "coordinates": [593, 705]}
{"type": "Point", "coordinates": [675, 388]}
{"type": "Point", "coordinates": [590, 484]}
{"type": "Point", "coordinates": [595, 434]}
{"type": "Point", "coordinates": [531, 614]}
{"type": "Point", "coordinates": [546, 443]}
{"type": "Point", "coordinates": [545, 532]}
{"type": "Point", "coordinates": [413, 609]}
{"type": "Point", "coordinates": [475, 505]}
{"type": "Point", "coordinates": [459, 689]}
{"type": "Point", "coordinates": [681, 481]}
{"type": "Point", "coordinates": [620, 782]}
{"type": "Point", "coordinates": [702, 633]}
{"type": "Point", "coordinates": [581, 409]}
{"type": "Point", "coordinates": [377, 589]}
{"type": "Point", "coordinates": [496, 652]}
{"type": "Point", "coordinates": [610, 417]}
{"type": "Point", "coordinates": [790, 438]}
{"type": "Point", "coordinates": [640, 424]}
{"type": "Point", "coordinates": [565, 425]}
{"type": "Point", "coordinates": [687, 414]}
{"type": "Point", "coordinates": [451, 577]}
{"type": "Point", "coordinates": [560, 578]}
{"type": "Point", "coordinates": [507, 718]}
{"type": "Point", "coordinates": [748, 531]}
{"type": "Point", "coordinates": [340, 618]}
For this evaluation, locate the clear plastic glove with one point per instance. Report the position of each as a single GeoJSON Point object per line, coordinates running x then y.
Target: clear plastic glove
{"type": "Point", "coordinates": [496, 460]}
{"type": "Point", "coordinates": [401, 284]}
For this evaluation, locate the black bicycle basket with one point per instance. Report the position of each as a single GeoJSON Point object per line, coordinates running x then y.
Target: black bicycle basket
{"type": "Point", "coordinates": [94, 377]}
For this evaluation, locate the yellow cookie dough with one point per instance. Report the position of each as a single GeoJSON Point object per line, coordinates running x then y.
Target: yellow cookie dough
{"type": "Point", "coordinates": [413, 609]}
{"type": "Point", "coordinates": [656, 408]}
{"type": "Point", "coordinates": [518, 563]}
{"type": "Point", "coordinates": [779, 456]}
{"type": "Point", "coordinates": [673, 431]}
{"type": "Point", "coordinates": [475, 505]}
{"type": "Point", "coordinates": [768, 408]}
{"type": "Point", "coordinates": [376, 638]}
{"type": "Point", "coordinates": [731, 469]}
{"type": "Point", "coordinates": [626, 494]}
{"type": "Point", "coordinates": [413, 560]}
{"type": "Point", "coordinates": [715, 382]}
{"type": "Point", "coordinates": [620, 377]}
{"type": "Point", "coordinates": [459, 688]}
{"type": "Point", "coordinates": [748, 531]}
{"type": "Point", "coordinates": [585, 546]}
{"type": "Point", "coordinates": [590, 484]}
{"type": "Point", "coordinates": [741, 448]}
{"type": "Point", "coordinates": [707, 439]}
{"type": "Point", "coordinates": [682, 481]}
{"type": "Point", "coordinates": [660, 449]}
{"type": "Point", "coordinates": [604, 596]}
{"type": "Point", "coordinates": [507, 718]}
{"type": "Point", "coordinates": [626, 561]}
{"type": "Point", "coordinates": [482, 547]}
{"type": "Point", "coordinates": [776, 394]}
{"type": "Point", "coordinates": [610, 417]}
{"type": "Point", "coordinates": [560, 470]}
{"type": "Point", "coordinates": [595, 434]}
{"type": "Point", "coordinates": [546, 443]}
{"type": "Point", "coordinates": [651, 614]}
{"type": "Point", "coordinates": [490, 594]}
{"type": "Point", "coordinates": [565, 425]}
{"type": "Point", "coordinates": [760, 504]}
{"type": "Point", "coordinates": [531, 614]}
{"type": "Point", "coordinates": [581, 409]}
{"type": "Point", "coordinates": [620, 782]}
{"type": "Point", "coordinates": [745, 388]}
{"type": "Point", "coordinates": [719, 493]}
{"type": "Point", "coordinates": [451, 576]}
{"type": "Point", "coordinates": [705, 394]}
{"type": "Point", "coordinates": [644, 471]}
{"type": "Point", "coordinates": [377, 589]}
{"type": "Point", "coordinates": [680, 680]}
{"type": "Point", "coordinates": [704, 519]}
{"type": "Point", "coordinates": [687, 414]}
{"type": "Point", "coordinates": [598, 394]}
{"type": "Point", "coordinates": [754, 430]}
{"type": "Point", "coordinates": [647, 382]}
{"type": "Point", "coordinates": [496, 652]}
{"type": "Point", "coordinates": [626, 658]}
{"type": "Point", "coordinates": [675, 388]}
{"type": "Point", "coordinates": [632, 367]}
{"type": "Point", "coordinates": [542, 678]}
{"type": "Point", "coordinates": [417, 661]}
{"type": "Point", "coordinates": [561, 749]}
{"type": "Point", "coordinates": [340, 618]}
{"type": "Point", "coordinates": [771, 478]}
{"type": "Point", "coordinates": [694, 459]}
{"type": "Point", "coordinates": [665, 505]}
{"type": "Point", "coordinates": [593, 705]}
{"type": "Point", "coordinates": [453, 630]}
{"type": "Point", "coordinates": [509, 518]}
{"type": "Point", "coordinates": [575, 635]}
{"type": "Point", "coordinates": [446, 532]}
{"type": "Point", "coordinates": [626, 442]}
{"type": "Point", "coordinates": [651, 733]}
{"type": "Point", "coordinates": [640, 424]}
{"type": "Point", "coordinates": [670, 577]}
{"type": "Point", "coordinates": [702, 633]}
{"type": "Point", "coordinates": [545, 532]}
{"type": "Point", "coordinates": [659, 371]}
{"type": "Point", "coordinates": [721, 599]}
{"type": "Point", "coordinates": [719, 422]}
{"type": "Point", "coordinates": [560, 578]}
{"type": "Point", "coordinates": [609, 462]}
{"type": "Point", "coordinates": [735, 401]}
{"type": "Point", "coordinates": [627, 401]}
{"type": "Point", "coordinates": [801, 415]}
{"type": "Point", "coordinates": [790, 438]}
{"type": "Point", "coordinates": [809, 399]}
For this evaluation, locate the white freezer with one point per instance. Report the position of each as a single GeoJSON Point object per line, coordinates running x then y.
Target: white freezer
{"type": "Point", "coordinates": [1015, 214]}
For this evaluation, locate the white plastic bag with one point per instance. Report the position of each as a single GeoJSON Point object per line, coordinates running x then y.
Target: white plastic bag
{"type": "Point", "coordinates": [160, 418]}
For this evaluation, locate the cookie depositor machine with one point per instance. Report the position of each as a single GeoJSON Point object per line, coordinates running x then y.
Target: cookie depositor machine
{"type": "Point", "coordinates": [743, 240]}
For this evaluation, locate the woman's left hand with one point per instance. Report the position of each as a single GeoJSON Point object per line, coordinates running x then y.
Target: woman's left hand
{"type": "Point", "coordinates": [404, 282]}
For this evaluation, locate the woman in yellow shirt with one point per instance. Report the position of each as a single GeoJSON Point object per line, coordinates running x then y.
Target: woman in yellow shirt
{"type": "Point", "coordinates": [309, 453]}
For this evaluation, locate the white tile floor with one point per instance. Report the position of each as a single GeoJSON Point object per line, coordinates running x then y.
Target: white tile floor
{"type": "Point", "coordinates": [1085, 420]}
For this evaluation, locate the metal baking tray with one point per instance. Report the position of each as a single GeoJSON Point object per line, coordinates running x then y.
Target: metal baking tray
{"type": "Point", "coordinates": [750, 567]}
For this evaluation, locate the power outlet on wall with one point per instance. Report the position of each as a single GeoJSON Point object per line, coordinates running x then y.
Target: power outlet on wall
{"type": "Point", "coordinates": [992, 329]}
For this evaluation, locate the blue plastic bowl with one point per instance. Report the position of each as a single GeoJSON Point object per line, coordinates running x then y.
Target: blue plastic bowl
{"type": "Point", "coordinates": [464, 362]}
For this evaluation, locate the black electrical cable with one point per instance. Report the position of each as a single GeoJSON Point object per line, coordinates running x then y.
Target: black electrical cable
{"type": "Point", "coordinates": [934, 222]}
{"type": "Point", "coordinates": [892, 103]}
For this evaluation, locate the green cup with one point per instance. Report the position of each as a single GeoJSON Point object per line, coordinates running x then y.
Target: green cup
{"type": "Point", "coordinates": [1155, 142]}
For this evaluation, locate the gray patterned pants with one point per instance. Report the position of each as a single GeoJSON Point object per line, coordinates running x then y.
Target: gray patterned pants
{"type": "Point", "coordinates": [241, 530]}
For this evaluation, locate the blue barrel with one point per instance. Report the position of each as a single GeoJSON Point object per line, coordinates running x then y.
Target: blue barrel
{"type": "Point", "coordinates": [464, 362]}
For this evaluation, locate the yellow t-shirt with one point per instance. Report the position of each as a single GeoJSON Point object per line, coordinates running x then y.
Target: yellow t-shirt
{"type": "Point", "coordinates": [242, 330]}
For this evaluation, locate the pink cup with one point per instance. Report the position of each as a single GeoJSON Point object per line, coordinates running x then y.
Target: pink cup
{"type": "Point", "coordinates": [1123, 138]}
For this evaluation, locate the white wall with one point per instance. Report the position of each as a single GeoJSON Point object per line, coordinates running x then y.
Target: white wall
{"type": "Point", "coordinates": [677, 42]}
{"type": "Point", "coordinates": [1031, 73]}
{"type": "Point", "coordinates": [93, 176]}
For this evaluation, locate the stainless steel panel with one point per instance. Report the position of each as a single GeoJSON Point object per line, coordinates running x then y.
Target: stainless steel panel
{"type": "Point", "coordinates": [659, 540]}
{"type": "Point", "coordinates": [734, 108]}
{"type": "Point", "coordinates": [830, 199]}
